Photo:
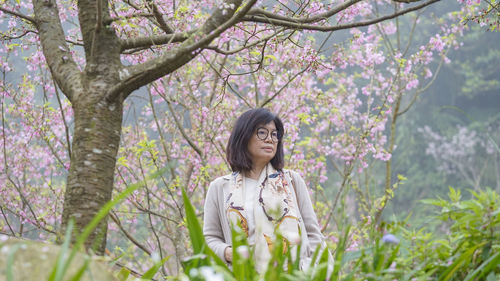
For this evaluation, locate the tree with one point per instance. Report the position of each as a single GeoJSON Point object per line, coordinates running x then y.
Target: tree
{"type": "Point", "coordinates": [127, 45]}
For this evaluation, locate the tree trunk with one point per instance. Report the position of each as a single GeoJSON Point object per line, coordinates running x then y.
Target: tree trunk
{"type": "Point", "coordinates": [90, 181]}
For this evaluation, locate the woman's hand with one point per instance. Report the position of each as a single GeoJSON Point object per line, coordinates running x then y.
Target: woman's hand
{"type": "Point", "coordinates": [228, 254]}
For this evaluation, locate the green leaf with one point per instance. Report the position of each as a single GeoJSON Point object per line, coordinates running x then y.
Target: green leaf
{"type": "Point", "coordinates": [322, 267]}
{"type": "Point", "coordinates": [435, 202]}
{"type": "Point", "coordinates": [60, 267]}
{"type": "Point", "coordinates": [339, 253]}
{"type": "Point", "coordinates": [270, 57]}
{"type": "Point", "coordinates": [123, 274]}
{"type": "Point", "coordinates": [152, 271]}
{"type": "Point", "coordinates": [485, 268]}
{"type": "Point", "coordinates": [454, 194]}
{"type": "Point", "coordinates": [195, 231]}
{"type": "Point", "coordinates": [450, 271]}
{"type": "Point", "coordinates": [401, 177]}
{"type": "Point", "coordinates": [81, 271]}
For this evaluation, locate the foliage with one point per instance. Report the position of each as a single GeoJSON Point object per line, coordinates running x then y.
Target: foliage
{"type": "Point", "coordinates": [470, 250]}
{"type": "Point", "coordinates": [337, 98]}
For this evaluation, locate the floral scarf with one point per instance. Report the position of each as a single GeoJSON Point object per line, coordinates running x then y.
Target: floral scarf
{"type": "Point", "coordinates": [275, 211]}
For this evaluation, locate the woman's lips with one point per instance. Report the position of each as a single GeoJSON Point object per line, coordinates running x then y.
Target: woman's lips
{"type": "Point", "coordinates": [268, 149]}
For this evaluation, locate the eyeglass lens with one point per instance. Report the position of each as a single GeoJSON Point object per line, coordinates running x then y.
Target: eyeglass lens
{"type": "Point", "coordinates": [262, 134]}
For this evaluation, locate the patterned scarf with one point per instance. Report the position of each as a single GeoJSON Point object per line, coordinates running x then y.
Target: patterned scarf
{"type": "Point", "coordinates": [275, 211]}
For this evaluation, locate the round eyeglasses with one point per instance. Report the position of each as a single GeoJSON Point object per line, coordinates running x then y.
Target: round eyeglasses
{"type": "Point", "coordinates": [263, 133]}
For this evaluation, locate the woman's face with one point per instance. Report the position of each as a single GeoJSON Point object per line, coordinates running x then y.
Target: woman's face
{"type": "Point", "coordinates": [263, 143]}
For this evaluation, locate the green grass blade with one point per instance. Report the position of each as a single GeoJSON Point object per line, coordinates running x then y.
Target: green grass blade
{"type": "Point", "coordinates": [196, 233]}
{"type": "Point", "coordinates": [393, 256]}
{"type": "Point", "coordinates": [322, 267]}
{"type": "Point", "coordinates": [154, 269]}
{"type": "Point", "coordinates": [194, 228]}
{"type": "Point", "coordinates": [494, 143]}
{"type": "Point", "coordinates": [59, 269]}
{"type": "Point", "coordinates": [339, 254]}
{"type": "Point", "coordinates": [484, 268]}
{"type": "Point", "coordinates": [448, 274]}
{"type": "Point", "coordinates": [81, 271]}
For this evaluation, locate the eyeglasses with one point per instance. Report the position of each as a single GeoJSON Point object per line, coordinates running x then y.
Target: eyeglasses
{"type": "Point", "coordinates": [262, 134]}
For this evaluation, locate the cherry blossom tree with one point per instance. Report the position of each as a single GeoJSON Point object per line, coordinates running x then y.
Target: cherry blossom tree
{"type": "Point", "coordinates": [79, 112]}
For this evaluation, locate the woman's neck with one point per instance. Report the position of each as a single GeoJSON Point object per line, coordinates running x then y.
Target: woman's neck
{"type": "Point", "coordinates": [256, 171]}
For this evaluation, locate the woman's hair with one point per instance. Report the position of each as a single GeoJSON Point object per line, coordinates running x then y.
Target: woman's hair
{"type": "Point", "coordinates": [237, 152]}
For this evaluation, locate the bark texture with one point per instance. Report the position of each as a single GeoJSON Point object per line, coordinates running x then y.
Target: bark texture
{"type": "Point", "coordinates": [90, 182]}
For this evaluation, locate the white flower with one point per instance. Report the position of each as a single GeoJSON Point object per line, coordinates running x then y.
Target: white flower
{"type": "Point", "coordinates": [210, 275]}
{"type": "Point", "coordinates": [243, 251]}
{"type": "Point", "coordinates": [292, 237]}
{"type": "Point", "coordinates": [155, 256]}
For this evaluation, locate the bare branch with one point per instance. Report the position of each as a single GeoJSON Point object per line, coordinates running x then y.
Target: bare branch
{"type": "Point", "coordinates": [423, 89]}
{"type": "Point", "coordinates": [294, 25]}
{"type": "Point", "coordinates": [116, 220]}
{"type": "Point", "coordinates": [7, 221]}
{"type": "Point", "coordinates": [268, 100]}
{"type": "Point", "coordinates": [7, 37]}
{"type": "Point", "coordinates": [257, 42]}
{"type": "Point", "coordinates": [181, 129]}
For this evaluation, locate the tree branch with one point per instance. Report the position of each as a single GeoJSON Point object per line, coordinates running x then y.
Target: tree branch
{"type": "Point", "coordinates": [13, 13]}
{"type": "Point", "coordinates": [316, 18]}
{"type": "Point", "coordinates": [148, 41]}
{"type": "Point", "coordinates": [63, 68]}
{"type": "Point", "coordinates": [116, 220]}
{"type": "Point", "coordinates": [142, 74]}
{"type": "Point", "coordinates": [290, 23]}
{"type": "Point", "coordinates": [183, 133]}
{"type": "Point", "coordinates": [268, 100]}
{"type": "Point", "coordinates": [163, 25]}
{"type": "Point", "coordinates": [234, 51]}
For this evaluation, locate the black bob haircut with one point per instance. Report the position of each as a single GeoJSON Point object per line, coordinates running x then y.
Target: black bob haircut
{"type": "Point", "coordinates": [237, 152]}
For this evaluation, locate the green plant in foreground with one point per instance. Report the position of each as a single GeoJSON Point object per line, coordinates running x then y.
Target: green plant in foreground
{"type": "Point", "coordinates": [469, 251]}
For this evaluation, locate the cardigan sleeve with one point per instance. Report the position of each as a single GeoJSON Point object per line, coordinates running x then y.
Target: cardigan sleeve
{"type": "Point", "coordinates": [212, 226]}
{"type": "Point", "coordinates": [307, 212]}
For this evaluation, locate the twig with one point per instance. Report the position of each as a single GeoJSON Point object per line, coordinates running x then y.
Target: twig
{"type": "Point", "coordinates": [28, 18]}
{"type": "Point", "coordinates": [301, 26]}
{"type": "Point", "coordinates": [116, 220]}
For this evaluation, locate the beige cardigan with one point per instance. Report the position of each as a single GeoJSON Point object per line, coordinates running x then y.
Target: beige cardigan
{"type": "Point", "coordinates": [216, 227]}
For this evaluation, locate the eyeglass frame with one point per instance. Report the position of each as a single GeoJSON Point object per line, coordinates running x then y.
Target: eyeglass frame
{"type": "Point", "coordinates": [267, 134]}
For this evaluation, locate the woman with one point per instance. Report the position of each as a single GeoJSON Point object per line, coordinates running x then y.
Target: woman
{"type": "Point", "coordinates": [259, 195]}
